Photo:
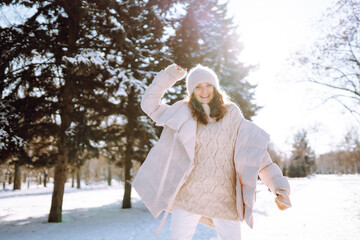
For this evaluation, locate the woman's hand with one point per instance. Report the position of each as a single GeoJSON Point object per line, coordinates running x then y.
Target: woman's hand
{"type": "Point", "coordinates": [282, 200]}
{"type": "Point", "coordinates": [176, 72]}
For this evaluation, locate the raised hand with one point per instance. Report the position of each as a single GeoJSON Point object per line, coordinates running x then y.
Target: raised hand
{"type": "Point", "coordinates": [176, 72]}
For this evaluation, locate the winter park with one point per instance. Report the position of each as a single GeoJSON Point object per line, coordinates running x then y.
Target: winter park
{"type": "Point", "coordinates": [180, 119]}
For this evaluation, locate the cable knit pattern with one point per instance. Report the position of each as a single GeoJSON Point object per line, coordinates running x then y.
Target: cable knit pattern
{"type": "Point", "coordinates": [210, 188]}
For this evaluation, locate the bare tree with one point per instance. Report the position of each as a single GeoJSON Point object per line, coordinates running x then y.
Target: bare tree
{"type": "Point", "coordinates": [350, 162]}
{"type": "Point", "coordinates": [345, 159]}
{"type": "Point", "coordinates": [334, 60]}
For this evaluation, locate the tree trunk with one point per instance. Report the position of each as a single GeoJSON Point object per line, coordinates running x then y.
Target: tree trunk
{"type": "Point", "coordinates": [24, 177]}
{"type": "Point", "coordinates": [63, 156]}
{"type": "Point", "coordinates": [62, 161]}
{"type": "Point", "coordinates": [109, 176]}
{"type": "Point", "coordinates": [131, 119]}
{"type": "Point", "coordinates": [73, 10]}
{"type": "Point", "coordinates": [127, 192]}
{"type": "Point", "coordinates": [72, 177]}
{"type": "Point", "coordinates": [78, 179]}
{"type": "Point", "coordinates": [87, 174]}
{"type": "Point", "coordinates": [45, 177]}
{"type": "Point", "coordinates": [39, 179]}
{"type": "Point", "coordinates": [17, 177]}
{"type": "Point", "coordinates": [59, 185]}
{"type": "Point", "coordinates": [28, 180]}
{"type": "Point", "coordinates": [4, 179]}
{"type": "Point", "coordinates": [10, 178]}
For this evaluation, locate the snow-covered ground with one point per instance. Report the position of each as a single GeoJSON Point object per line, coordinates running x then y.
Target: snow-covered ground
{"type": "Point", "coordinates": [325, 207]}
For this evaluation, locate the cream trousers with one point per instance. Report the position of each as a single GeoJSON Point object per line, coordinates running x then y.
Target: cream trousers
{"type": "Point", "coordinates": [183, 226]}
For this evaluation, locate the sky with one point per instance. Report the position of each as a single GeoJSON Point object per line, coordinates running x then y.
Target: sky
{"type": "Point", "coordinates": [271, 31]}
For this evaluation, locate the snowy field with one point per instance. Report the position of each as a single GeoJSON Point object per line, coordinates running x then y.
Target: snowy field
{"type": "Point", "coordinates": [325, 207]}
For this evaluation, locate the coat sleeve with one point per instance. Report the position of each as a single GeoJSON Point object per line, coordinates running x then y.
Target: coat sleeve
{"type": "Point", "coordinates": [151, 101]}
{"type": "Point", "coordinates": [272, 176]}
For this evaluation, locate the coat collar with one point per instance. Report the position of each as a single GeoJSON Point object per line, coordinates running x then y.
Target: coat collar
{"type": "Point", "coordinates": [175, 116]}
{"type": "Point", "coordinates": [178, 117]}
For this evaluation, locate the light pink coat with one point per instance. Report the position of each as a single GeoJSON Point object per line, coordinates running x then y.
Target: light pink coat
{"type": "Point", "coordinates": [171, 160]}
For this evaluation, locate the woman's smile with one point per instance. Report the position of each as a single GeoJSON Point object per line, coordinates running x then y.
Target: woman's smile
{"type": "Point", "coordinates": [204, 92]}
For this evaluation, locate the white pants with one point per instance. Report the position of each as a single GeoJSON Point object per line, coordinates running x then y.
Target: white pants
{"type": "Point", "coordinates": [183, 226]}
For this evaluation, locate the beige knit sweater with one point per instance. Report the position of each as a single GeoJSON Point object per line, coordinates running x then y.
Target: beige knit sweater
{"type": "Point", "coordinates": [210, 189]}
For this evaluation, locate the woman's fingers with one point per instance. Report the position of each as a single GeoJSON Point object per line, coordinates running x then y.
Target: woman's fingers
{"type": "Point", "coordinates": [180, 69]}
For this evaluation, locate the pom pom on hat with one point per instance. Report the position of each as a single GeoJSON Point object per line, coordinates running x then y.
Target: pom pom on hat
{"type": "Point", "coordinates": [200, 74]}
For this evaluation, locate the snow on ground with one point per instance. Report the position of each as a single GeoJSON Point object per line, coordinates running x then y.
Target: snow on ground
{"type": "Point", "coordinates": [324, 207]}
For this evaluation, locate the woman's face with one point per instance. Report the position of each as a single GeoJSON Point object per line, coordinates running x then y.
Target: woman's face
{"type": "Point", "coordinates": [204, 92]}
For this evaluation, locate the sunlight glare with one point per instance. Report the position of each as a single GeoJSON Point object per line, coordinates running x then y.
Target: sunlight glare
{"type": "Point", "coordinates": [269, 33]}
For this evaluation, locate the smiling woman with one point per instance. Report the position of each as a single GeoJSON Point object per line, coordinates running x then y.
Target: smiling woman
{"type": "Point", "coordinates": [204, 92]}
{"type": "Point", "coordinates": [201, 82]}
{"type": "Point", "coordinates": [205, 165]}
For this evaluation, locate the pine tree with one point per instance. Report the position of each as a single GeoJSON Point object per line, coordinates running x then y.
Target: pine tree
{"type": "Point", "coordinates": [303, 158]}
{"type": "Point", "coordinates": [12, 142]}
{"type": "Point", "coordinates": [135, 132]}
{"type": "Point", "coordinates": [207, 36]}
{"type": "Point", "coordinates": [80, 62]}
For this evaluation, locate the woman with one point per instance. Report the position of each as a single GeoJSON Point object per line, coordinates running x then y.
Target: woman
{"type": "Point", "coordinates": [205, 166]}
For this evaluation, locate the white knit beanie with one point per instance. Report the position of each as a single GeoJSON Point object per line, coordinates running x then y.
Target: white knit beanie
{"type": "Point", "coordinates": [198, 75]}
